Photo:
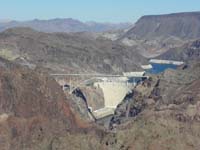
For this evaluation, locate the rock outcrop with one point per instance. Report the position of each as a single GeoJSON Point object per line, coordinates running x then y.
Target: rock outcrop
{"type": "Point", "coordinates": [188, 52]}
{"type": "Point", "coordinates": [33, 109]}
{"type": "Point", "coordinates": [169, 119]}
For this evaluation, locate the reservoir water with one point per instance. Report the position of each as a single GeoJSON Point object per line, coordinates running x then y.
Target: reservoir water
{"type": "Point", "coordinates": [159, 68]}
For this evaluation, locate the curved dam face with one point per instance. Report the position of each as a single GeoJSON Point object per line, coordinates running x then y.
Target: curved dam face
{"type": "Point", "coordinates": [114, 92]}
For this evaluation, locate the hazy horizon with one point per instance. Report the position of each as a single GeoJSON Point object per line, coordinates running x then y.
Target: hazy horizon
{"type": "Point", "coordinates": [87, 21]}
{"type": "Point", "coordinates": [114, 11]}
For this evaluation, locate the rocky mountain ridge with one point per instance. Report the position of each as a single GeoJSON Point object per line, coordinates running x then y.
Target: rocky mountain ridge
{"type": "Point", "coordinates": [181, 25]}
{"type": "Point", "coordinates": [64, 25]}
{"type": "Point", "coordinates": [67, 52]}
{"type": "Point", "coordinates": [153, 35]}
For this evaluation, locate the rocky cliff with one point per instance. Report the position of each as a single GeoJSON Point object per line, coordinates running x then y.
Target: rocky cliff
{"type": "Point", "coordinates": [188, 52]}
{"type": "Point", "coordinates": [181, 25]}
{"type": "Point", "coordinates": [155, 34]}
{"type": "Point", "coordinates": [33, 109]}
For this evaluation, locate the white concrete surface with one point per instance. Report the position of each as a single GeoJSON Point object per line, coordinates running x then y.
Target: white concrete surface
{"type": "Point", "coordinates": [158, 61]}
{"type": "Point", "coordinates": [103, 112]}
{"type": "Point", "coordinates": [147, 66]}
{"type": "Point", "coordinates": [114, 92]}
{"type": "Point", "coordinates": [134, 74]}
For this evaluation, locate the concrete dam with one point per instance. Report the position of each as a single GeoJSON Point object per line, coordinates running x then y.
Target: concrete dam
{"type": "Point", "coordinates": [114, 93]}
{"type": "Point", "coordinates": [114, 87]}
{"type": "Point", "coordinates": [115, 90]}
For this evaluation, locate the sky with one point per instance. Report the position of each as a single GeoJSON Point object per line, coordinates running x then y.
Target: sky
{"type": "Point", "coordinates": [92, 10]}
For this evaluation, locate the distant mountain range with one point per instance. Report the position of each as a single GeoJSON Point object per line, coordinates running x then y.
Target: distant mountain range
{"type": "Point", "coordinates": [151, 35]}
{"type": "Point", "coordinates": [64, 25]}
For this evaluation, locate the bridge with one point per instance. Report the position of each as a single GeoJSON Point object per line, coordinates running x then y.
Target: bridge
{"type": "Point", "coordinates": [85, 74]}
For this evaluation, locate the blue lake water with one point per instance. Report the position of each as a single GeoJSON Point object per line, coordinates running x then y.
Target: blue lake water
{"type": "Point", "coordinates": [159, 68]}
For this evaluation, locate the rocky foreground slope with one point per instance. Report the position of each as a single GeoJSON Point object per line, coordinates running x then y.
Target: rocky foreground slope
{"type": "Point", "coordinates": [163, 113]}
{"type": "Point", "coordinates": [34, 111]}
